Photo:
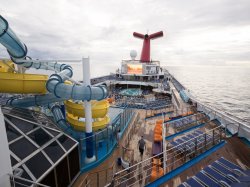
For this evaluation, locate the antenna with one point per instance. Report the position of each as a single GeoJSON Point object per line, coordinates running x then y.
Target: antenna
{"type": "Point", "coordinates": [145, 53]}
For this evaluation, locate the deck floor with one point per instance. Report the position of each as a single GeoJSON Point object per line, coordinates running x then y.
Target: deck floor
{"type": "Point", "coordinates": [234, 150]}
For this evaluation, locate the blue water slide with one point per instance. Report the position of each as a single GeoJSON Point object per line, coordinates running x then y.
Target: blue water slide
{"type": "Point", "coordinates": [37, 100]}
{"type": "Point", "coordinates": [55, 85]}
{"type": "Point", "coordinates": [8, 39]}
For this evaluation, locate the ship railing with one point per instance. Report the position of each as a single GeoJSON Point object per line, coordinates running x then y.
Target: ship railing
{"type": "Point", "coordinates": [85, 182]}
{"type": "Point", "coordinates": [148, 170]}
{"type": "Point", "coordinates": [169, 111]}
{"type": "Point", "coordinates": [139, 61]}
{"type": "Point", "coordinates": [237, 126]}
{"type": "Point", "coordinates": [195, 119]}
{"type": "Point", "coordinates": [165, 110]}
{"type": "Point", "coordinates": [127, 153]}
{"type": "Point", "coordinates": [234, 126]}
{"type": "Point", "coordinates": [103, 177]}
{"type": "Point", "coordinates": [106, 139]}
{"type": "Point", "coordinates": [99, 177]}
{"type": "Point", "coordinates": [20, 181]}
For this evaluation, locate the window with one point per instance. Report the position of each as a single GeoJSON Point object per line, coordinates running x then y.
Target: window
{"type": "Point", "coordinates": [24, 126]}
{"type": "Point", "coordinates": [13, 161]}
{"type": "Point", "coordinates": [49, 179]}
{"type": "Point", "coordinates": [38, 164]}
{"type": "Point", "coordinates": [66, 142]}
{"type": "Point", "coordinates": [40, 137]}
{"type": "Point", "coordinates": [12, 133]}
{"type": "Point", "coordinates": [22, 148]}
{"type": "Point", "coordinates": [62, 173]}
{"type": "Point", "coordinates": [54, 151]}
{"type": "Point", "coordinates": [54, 133]}
{"type": "Point", "coordinates": [74, 163]}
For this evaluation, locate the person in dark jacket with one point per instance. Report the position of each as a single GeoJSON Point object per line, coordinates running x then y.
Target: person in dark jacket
{"type": "Point", "coordinates": [141, 145]}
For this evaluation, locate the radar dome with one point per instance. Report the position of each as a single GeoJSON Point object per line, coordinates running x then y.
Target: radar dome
{"type": "Point", "coordinates": [133, 54]}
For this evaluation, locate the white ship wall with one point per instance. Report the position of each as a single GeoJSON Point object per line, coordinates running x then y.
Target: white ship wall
{"type": "Point", "coordinates": [5, 164]}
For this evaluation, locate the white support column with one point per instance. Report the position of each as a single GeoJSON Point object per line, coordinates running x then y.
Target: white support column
{"type": "Point", "coordinates": [5, 163]}
{"type": "Point", "coordinates": [88, 114]}
{"type": "Point", "coordinates": [164, 145]}
{"type": "Point", "coordinates": [87, 104]}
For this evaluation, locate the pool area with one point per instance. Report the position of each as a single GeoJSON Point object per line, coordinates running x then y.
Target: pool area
{"type": "Point", "coordinates": [131, 92]}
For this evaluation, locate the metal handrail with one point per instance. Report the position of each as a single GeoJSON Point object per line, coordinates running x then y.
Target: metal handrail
{"type": "Point", "coordinates": [87, 181]}
{"type": "Point", "coordinates": [101, 131]}
{"type": "Point", "coordinates": [224, 114]}
{"type": "Point", "coordinates": [165, 151]}
{"type": "Point", "coordinates": [149, 168]}
{"type": "Point", "coordinates": [13, 177]}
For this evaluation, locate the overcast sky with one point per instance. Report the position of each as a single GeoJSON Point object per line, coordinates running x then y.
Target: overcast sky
{"type": "Point", "coordinates": [196, 32]}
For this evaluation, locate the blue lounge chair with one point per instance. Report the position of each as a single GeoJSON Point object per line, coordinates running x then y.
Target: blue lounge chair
{"type": "Point", "coordinates": [193, 182]}
{"type": "Point", "coordinates": [229, 174]}
{"type": "Point", "coordinates": [215, 175]}
{"type": "Point", "coordinates": [206, 180]}
{"type": "Point", "coordinates": [229, 164]}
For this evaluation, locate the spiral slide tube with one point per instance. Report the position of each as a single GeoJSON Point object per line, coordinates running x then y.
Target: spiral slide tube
{"type": "Point", "coordinates": [8, 39]}
{"type": "Point", "coordinates": [55, 85]}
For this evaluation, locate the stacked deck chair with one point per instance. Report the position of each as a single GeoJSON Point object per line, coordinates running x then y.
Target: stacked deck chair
{"type": "Point", "coordinates": [157, 169]}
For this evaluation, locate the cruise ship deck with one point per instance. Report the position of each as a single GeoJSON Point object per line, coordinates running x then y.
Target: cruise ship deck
{"type": "Point", "coordinates": [57, 131]}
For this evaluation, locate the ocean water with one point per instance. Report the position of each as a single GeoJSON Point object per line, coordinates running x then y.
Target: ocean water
{"type": "Point", "coordinates": [224, 87]}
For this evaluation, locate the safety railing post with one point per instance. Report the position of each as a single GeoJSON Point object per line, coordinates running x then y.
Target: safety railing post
{"type": "Point", "coordinates": [196, 119]}
{"type": "Point", "coordinates": [98, 180]}
{"type": "Point", "coordinates": [107, 139]}
{"type": "Point", "coordinates": [185, 152]}
{"type": "Point", "coordinates": [96, 147]}
{"type": "Point", "coordinates": [238, 130]}
{"type": "Point", "coordinates": [205, 137]}
{"type": "Point", "coordinates": [213, 136]}
{"type": "Point", "coordinates": [112, 134]}
{"type": "Point", "coordinates": [106, 172]}
{"type": "Point", "coordinates": [195, 148]}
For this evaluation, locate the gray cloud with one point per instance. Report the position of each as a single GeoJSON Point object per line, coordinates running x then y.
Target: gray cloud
{"type": "Point", "coordinates": [196, 31]}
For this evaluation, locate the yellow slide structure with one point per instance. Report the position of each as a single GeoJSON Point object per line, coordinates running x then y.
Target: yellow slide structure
{"type": "Point", "coordinates": [12, 82]}
{"type": "Point", "coordinates": [99, 114]}
{"type": "Point", "coordinates": [19, 83]}
{"type": "Point", "coordinates": [99, 108]}
{"type": "Point", "coordinates": [23, 83]}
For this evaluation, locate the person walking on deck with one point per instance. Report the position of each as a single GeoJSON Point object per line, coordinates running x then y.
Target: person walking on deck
{"type": "Point", "coordinates": [141, 145]}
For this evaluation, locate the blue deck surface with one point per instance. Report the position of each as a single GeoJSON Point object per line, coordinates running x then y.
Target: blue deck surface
{"type": "Point", "coordinates": [184, 131]}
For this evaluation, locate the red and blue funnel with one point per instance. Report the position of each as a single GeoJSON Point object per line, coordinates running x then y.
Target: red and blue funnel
{"type": "Point", "coordinates": [145, 53]}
